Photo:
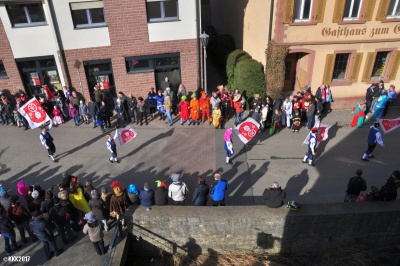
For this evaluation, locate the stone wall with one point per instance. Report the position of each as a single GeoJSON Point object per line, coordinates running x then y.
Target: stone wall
{"type": "Point", "coordinates": [313, 228]}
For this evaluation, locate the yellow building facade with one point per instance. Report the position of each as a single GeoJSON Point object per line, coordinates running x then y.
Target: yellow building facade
{"type": "Point", "coordinates": [348, 44]}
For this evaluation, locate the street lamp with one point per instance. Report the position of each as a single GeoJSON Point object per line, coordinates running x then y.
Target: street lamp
{"type": "Point", "coordinates": [204, 41]}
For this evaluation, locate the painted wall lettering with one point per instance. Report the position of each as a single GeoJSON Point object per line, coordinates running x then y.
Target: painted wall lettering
{"type": "Point", "coordinates": [346, 32]}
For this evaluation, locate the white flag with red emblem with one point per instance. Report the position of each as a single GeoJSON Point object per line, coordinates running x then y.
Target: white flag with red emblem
{"type": "Point", "coordinates": [246, 130]}
{"type": "Point", "coordinates": [34, 113]}
{"type": "Point", "coordinates": [388, 125]}
{"type": "Point", "coordinates": [321, 135]}
{"type": "Point", "coordinates": [124, 135]}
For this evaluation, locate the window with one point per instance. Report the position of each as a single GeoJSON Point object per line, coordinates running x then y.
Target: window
{"type": "Point", "coordinates": [340, 67]}
{"type": "Point", "coordinates": [138, 64]}
{"type": "Point", "coordinates": [352, 9]}
{"type": "Point", "coordinates": [26, 15]}
{"type": "Point", "coordinates": [394, 9]}
{"type": "Point", "coordinates": [3, 72]}
{"type": "Point", "coordinates": [88, 14]}
{"type": "Point", "coordinates": [162, 10]}
{"type": "Point", "coordinates": [380, 64]}
{"type": "Point", "coordinates": [302, 10]}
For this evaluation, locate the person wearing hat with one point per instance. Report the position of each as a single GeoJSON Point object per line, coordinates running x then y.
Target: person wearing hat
{"type": "Point", "coordinates": [184, 110]}
{"type": "Point", "coordinates": [374, 137]}
{"type": "Point", "coordinates": [59, 215]}
{"type": "Point", "coordinates": [205, 107]}
{"type": "Point", "coordinates": [237, 104]}
{"type": "Point", "coordinates": [194, 110]}
{"type": "Point", "coordinates": [119, 202]}
{"type": "Point", "coordinates": [133, 194]}
{"type": "Point", "coordinates": [93, 228]}
{"type": "Point", "coordinates": [274, 195]}
{"type": "Point", "coordinates": [44, 233]}
{"type": "Point", "coordinates": [146, 195]}
{"type": "Point", "coordinates": [96, 205]}
{"type": "Point", "coordinates": [47, 140]}
{"type": "Point", "coordinates": [380, 105]}
{"type": "Point", "coordinates": [312, 146]}
{"type": "Point", "coordinates": [120, 110]}
{"type": "Point", "coordinates": [228, 146]}
{"type": "Point", "coordinates": [36, 201]}
{"type": "Point", "coordinates": [161, 194]}
{"type": "Point", "coordinates": [359, 114]}
{"type": "Point", "coordinates": [7, 232]}
{"type": "Point", "coordinates": [178, 190]}
{"type": "Point", "coordinates": [112, 147]}
{"type": "Point", "coordinates": [151, 97]}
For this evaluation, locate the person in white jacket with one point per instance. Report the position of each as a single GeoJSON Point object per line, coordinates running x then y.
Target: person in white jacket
{"type": "Point", "coordinates": [287, 112]}
{"type": "Point", "coordinates": [178, 190]}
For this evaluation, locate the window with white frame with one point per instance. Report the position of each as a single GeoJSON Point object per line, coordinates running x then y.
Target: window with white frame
{"type": "Point", "coordinates": [394, 9]}
{"type": "Point", "coordinates": [3, 72]}
{"type": "Point", "coordinates": [302, 10]}
{"type": "Point", "coordinates": [162, 10]}
{"type": "Point", "coordinates": [22, 15]}
{"type": "Point", "coordinates": [352, 9]}
{"type": "Point", "coordinates": [88, 14]}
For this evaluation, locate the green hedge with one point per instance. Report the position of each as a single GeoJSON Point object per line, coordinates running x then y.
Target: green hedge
{"type": "Point", "coordinates": [231, 62]}
{"type": "Point", "coordinates": [249, 76]}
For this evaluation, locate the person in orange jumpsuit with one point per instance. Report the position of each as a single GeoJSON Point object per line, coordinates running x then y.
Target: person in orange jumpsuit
{"type": "Point", "coordinates": [194, 110]}
{"type": "Point", "coordinates": [205, 107]}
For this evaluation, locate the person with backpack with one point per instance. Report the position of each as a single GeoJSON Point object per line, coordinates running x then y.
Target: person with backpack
{"type": "Point", "coordinates": [355, 186]}
{"type": "Point", "coordinates": [60, 215]}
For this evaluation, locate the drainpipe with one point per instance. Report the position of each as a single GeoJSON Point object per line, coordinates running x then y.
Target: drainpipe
{"type": "Point", "coordinates": [271, 18]}
{"type": "Point", "coordinates": [198, 30]}
{"type": "Point", "coordinates": [59, 41]}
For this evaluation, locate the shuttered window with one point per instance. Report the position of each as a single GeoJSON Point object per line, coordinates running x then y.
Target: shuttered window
{"type": "Point", "coordinates": [369, 64]}
{"type": "Point", "coordinates": [356, 67]}
{"type": "Point", "coordinates": [340, 66]}
{"type": "Point", "coordinates": [328, 71]}
{"type": "Point", "coordinates": [352, 9]}
{"type": "Point", "coordinates": [395, 66]}
{"type": "Point", "coordinates": [394, 9]}
{"type": "Point", "coordinates": [369, 10]}
{"type": "Point", "coordinates": [319, 10]}
{"type": "Point", "coordinates": [382, 9]}
{"type": "Point", "coordinates": [288, 9]}
{"type": "Point", "coordinates": [338, 11]}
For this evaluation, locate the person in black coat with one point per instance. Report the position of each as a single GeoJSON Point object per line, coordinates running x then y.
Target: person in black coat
{"type": "Point", "coordinates": [97, 207]}
{"type": "Point", "coordinates": [7, 232]}
{"type": "Point", "coordinates": [58, 214]}
{"type": "Point", "coordinates": [44, 233]}
{"type": "Point", "coordinates": [200, 192]}
{"type": "Point", "coordinates": [273, 196]}
{"type": "Point", "coordinates": [161, 194]}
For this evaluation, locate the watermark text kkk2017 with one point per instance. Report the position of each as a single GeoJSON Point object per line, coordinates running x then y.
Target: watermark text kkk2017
{"type": "Point", "coordinates": [16, 258]}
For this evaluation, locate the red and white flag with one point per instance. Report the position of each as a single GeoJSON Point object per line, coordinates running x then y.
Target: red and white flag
{"type": "Point", "coordinates": [321, 135]}
{"type": "Point", "coordinates": [34, 113]}
{"type": "Point", "coordinates": [246, 130]}
{"type": "Point", "coordinates": [124, 135]}
{"type": "Point", "coordinates": [388, 125]}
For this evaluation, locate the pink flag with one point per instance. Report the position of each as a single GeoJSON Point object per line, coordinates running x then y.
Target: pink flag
{"type": "Point", "coordinates": [388, 125]}
{"type": "Point", "coordinates": [322, 134]}
{"type": "Point", "coordinates": [246, 130]}
{"type": "Point", "coordinates": [34, 113]}
{"type": "Point", "coordinates": [125, 135]}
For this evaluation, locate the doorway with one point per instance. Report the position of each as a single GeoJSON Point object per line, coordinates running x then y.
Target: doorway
{"type": "Point", "coordinates": [298, 70]}
{"type": "Point", "coordinates": [38, 71]}
{"type": "Point", "coordinates": [99, 73]}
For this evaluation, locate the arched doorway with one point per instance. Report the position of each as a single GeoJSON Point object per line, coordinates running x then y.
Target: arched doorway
{"type": "Point", "coordinates": [299, 65]}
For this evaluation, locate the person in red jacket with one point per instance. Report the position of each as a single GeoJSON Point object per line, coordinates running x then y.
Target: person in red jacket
{"type": "Point", "coordinates": [49, 94]}
{"type": "Point", "coordinates": [205, 107]}
{"type": "Point", "coordinates": [184, 111]}
{"type": "Point", "coordinates": [20, 216]}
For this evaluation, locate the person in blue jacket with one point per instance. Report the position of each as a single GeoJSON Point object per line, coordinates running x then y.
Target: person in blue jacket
{"type": "Point", "coordinates": [374, 137]}
{"type": "Point", "coordinates": [218, 192]}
